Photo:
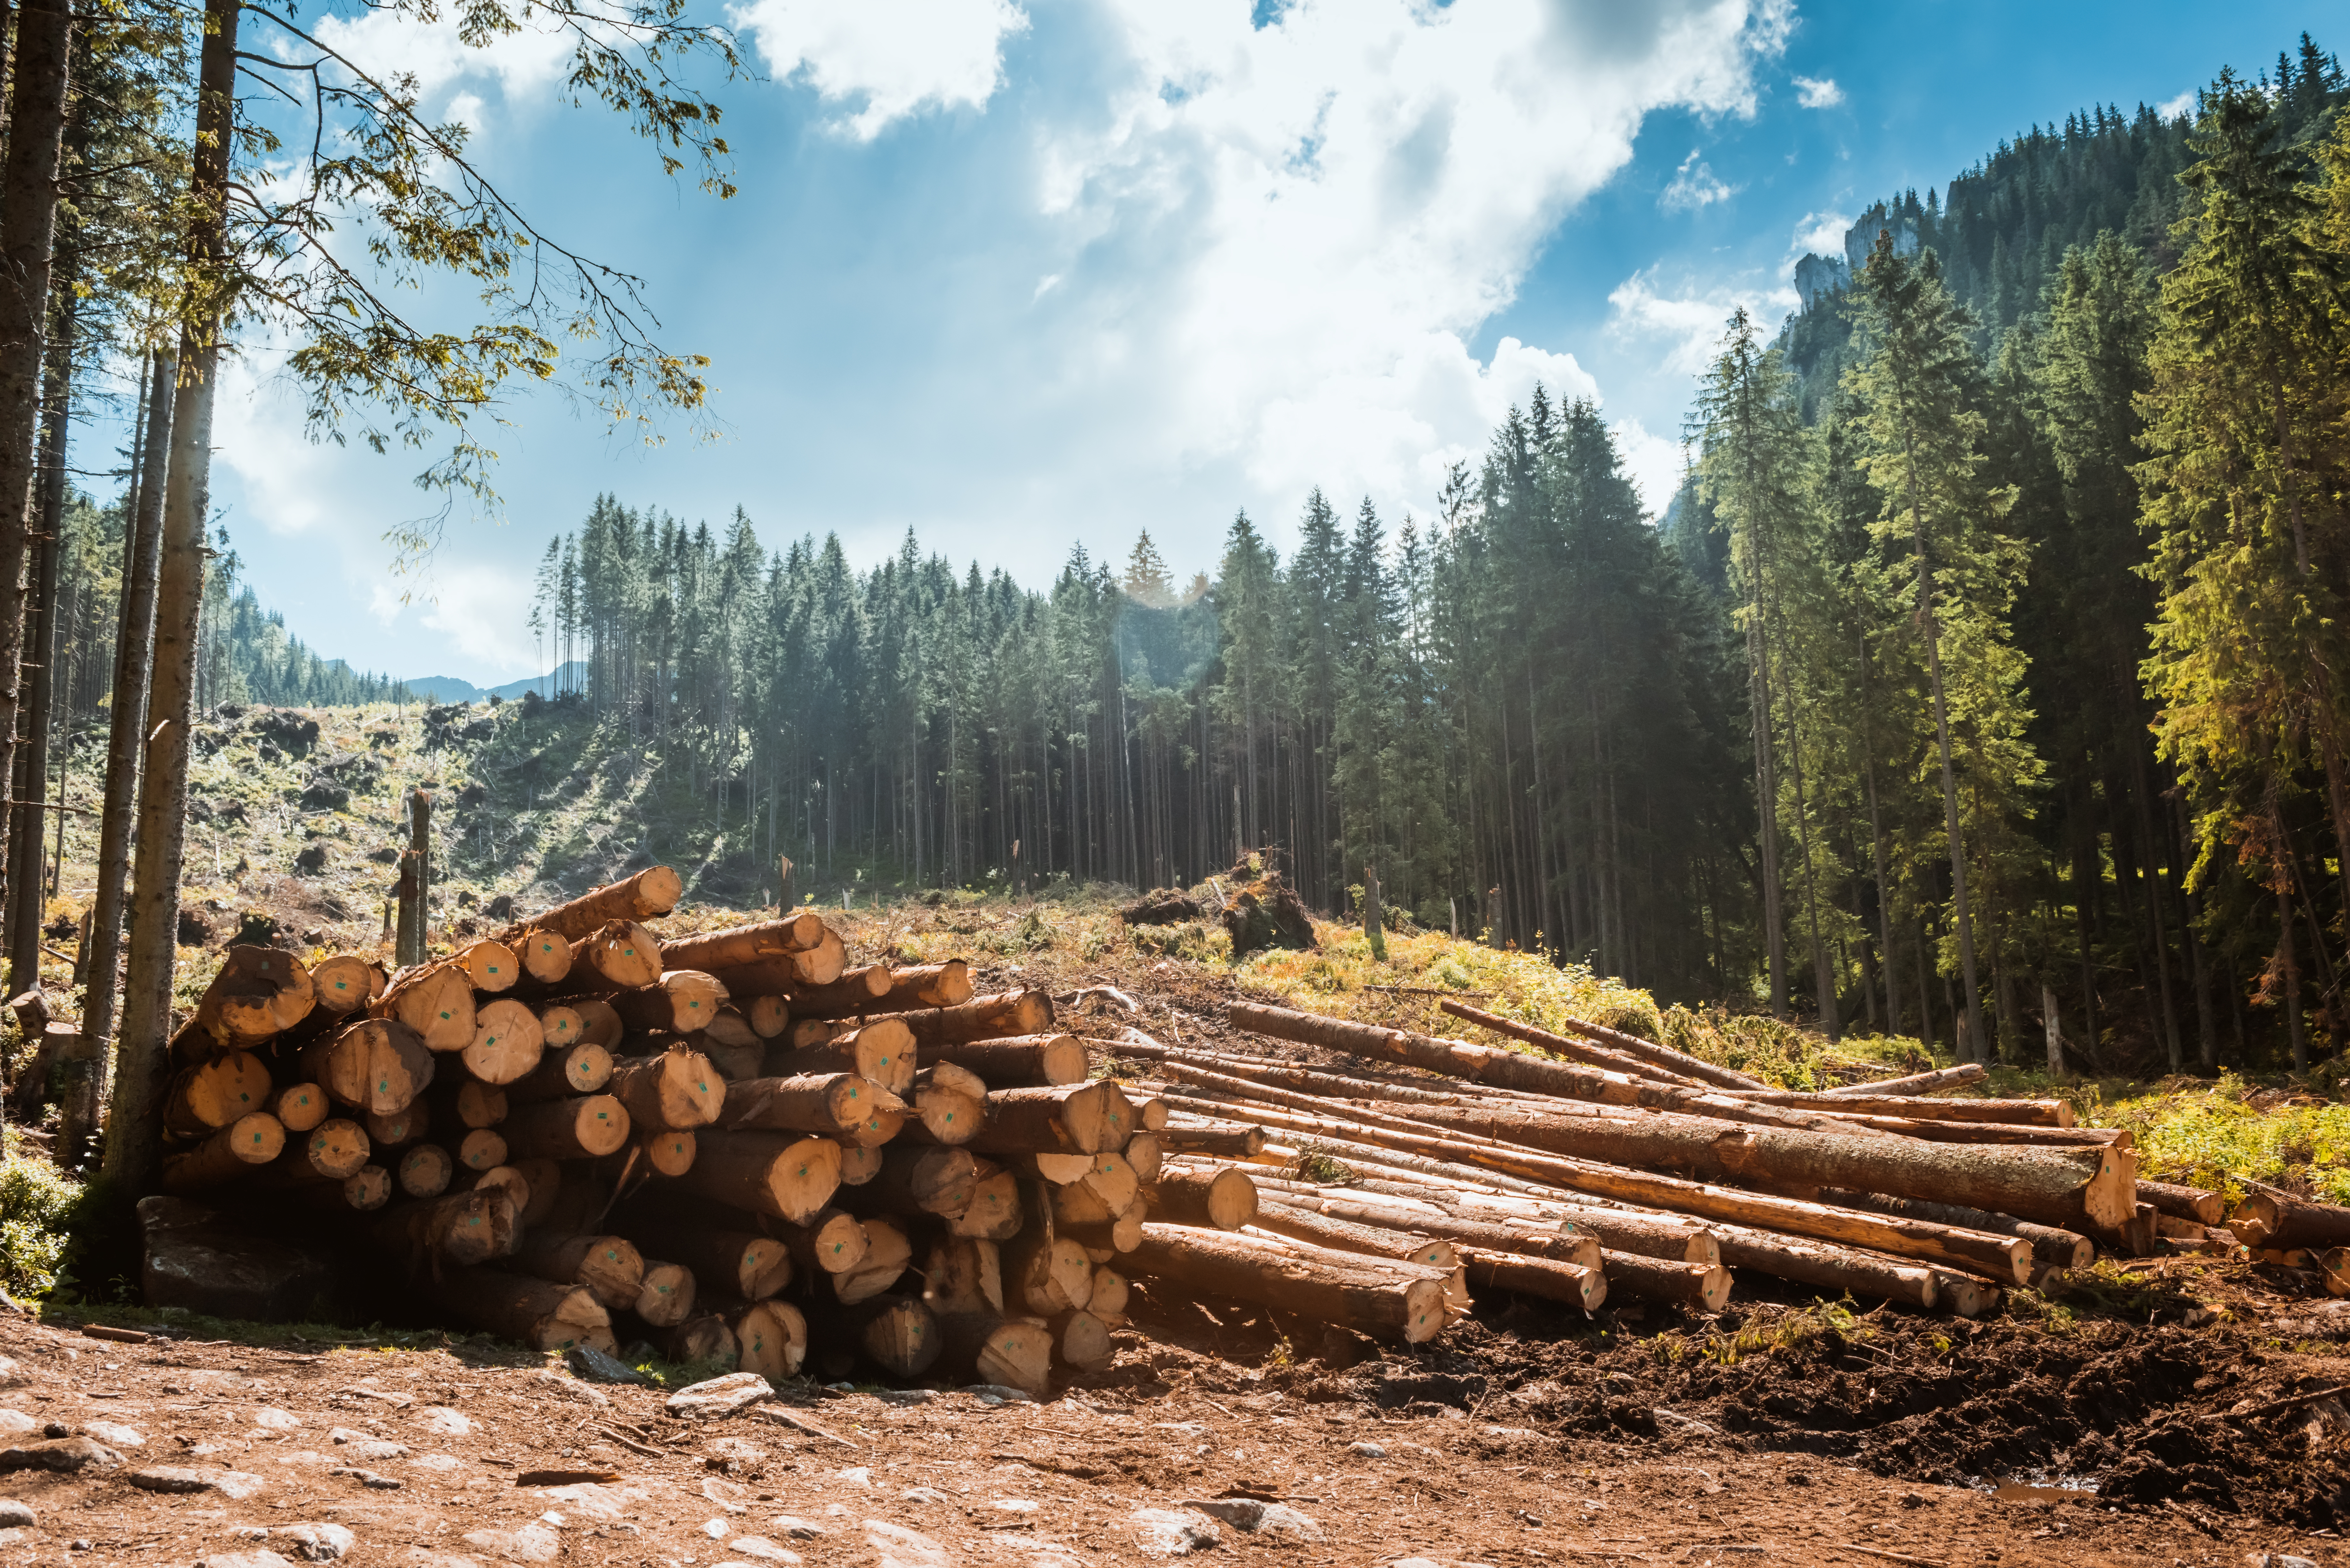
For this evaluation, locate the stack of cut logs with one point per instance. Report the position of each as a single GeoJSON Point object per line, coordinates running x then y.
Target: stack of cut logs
{"type": "Point", "coordinates": [731, 1143]}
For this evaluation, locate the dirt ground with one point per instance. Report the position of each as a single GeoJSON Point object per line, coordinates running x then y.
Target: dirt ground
{"type": "Point", "coordinates": [1840, 1440]}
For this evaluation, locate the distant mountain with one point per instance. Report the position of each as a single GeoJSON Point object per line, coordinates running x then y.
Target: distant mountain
{"type": "Point", "coordinates": [451, 689]}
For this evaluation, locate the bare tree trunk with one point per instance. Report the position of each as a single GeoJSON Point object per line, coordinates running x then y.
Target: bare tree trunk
{"type": "Point", "coordinates": [133, 637]}
{"type": "Point", "coordinates": [26, 883]}
{"type": "Point", "coordinates": [134, 1136]}
{"type": "Point", "coordinates": [28, 211]}
{"type": "Point", "coordinates": [1971, 1037]}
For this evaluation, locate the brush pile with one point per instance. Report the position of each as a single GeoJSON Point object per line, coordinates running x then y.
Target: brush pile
{"type": "Point", "coordinates": [733, 1144]}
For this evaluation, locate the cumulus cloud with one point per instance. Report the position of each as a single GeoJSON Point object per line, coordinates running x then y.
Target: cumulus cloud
{"type": "Point", "coordinates": [1330, 206]}
{"type": "Point", "coordinates": [1689, 324]}
{"type": "Point", "coordinates": [1818, 92]}
{"type": "Point", "coordinates": [1693, 186]}
{"type": "Point", "coordinates": [1654, 464]}
{"type": "Point", "coordinates": [896, 58]}
{"type": "Point", "coordinates": [1820, 234]}
{"type": "Point", "coordinates": [2184, 104]}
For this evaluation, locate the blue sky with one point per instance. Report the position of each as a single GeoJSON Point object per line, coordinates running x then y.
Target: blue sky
{"type": "Point", "coordinates": [1021, 273]}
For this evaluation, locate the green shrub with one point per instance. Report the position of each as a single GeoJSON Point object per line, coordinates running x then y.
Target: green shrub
{"type": "Point", "coordinates": [36, 1207]}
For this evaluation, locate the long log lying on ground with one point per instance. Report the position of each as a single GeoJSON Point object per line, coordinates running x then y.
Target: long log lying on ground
{"type": "Point", "coordinates": [1826, 1266]}
{"type": "Point", "coordinates": [1212, 1135]}
{"type": "Point", "coordinates": [1674, 1238]}
{"type": "Point", "coordinates": [1375, 1296]}
{"type": "Point", "coordinates": [1917, 1082]}
{"type": "Point", "coordinates": [1664, 1056]}
{"type": "Point", "coordinates": [2190, 1203]}
{"type": "Point", "coordinates": [2275, 1221]}
{"type": "Point", "coordinates": [995, 1017]}
{"type": "Point", "coordinates": [1907, 1238]}
{"type": "Point", "coordinates": [1462, 1059]}
{"type": "Point", "coordinates": [2053, 1248]}
{"type": "Point", "coordinates": [1585, 1050]}
{"type": "Point", "coordinates": [1917, 1107]}
{"type": "Point", "coordinates": [649, 894]}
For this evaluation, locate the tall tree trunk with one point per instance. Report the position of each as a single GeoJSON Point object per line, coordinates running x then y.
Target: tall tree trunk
{"type": "Point", "coordinates": [1973, 1039]}
{"type": "Point", "coordinates": [26, 883]}
{"type": "Point", "coordinates": [133, 1134]}
{"type": "Point", "coordinates": [28, 211]}
{"type": "Point", "coordinates": [133, 636]}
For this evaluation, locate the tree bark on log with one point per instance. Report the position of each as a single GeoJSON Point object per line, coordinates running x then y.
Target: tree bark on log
{"type": "Point", "coordinates": [997, 1017]}
{"type": "Point", "coordinates": [1586, 1052]}
{"type": "Point", "coordinates": [2192, 1203]}
{"type": "Point", "coordinates": [258, 994]}
{"type": "Point", "coordinates": [542, 1315]}
{"type": "Point", "coordinates": [988, 1348]}
{"type": "Point", "coordinates": [743, 945]}
{"type": "Point", "coordinates": [940, 1181]}
{"type": "Point", "coordinates": [1374, 1296]}
{"type": "Point", "coordinates": [1570, 1285]}
{"type": "Point", "coordinates": [1222, 1139]}
{"type": "Point", "coordinates": [681, 1001]}
{"type": "Point", "coordinates": [858, 992]}
{"type": "Point", "coordinates": [251, 1140]}
{"type": "Point", "coordinates": [620, 956]}
{"type": "Point", "coordinates": [609, 1268]}
{"type": "Point", "coordinates": [1015, 1062]}
{"type": "Point", "coordinates": [768, 1173]}
{"type": "Point", "coordinates": [1222, 1200]}
{"type": "Point", "coordinates": [2273, 1220]}
{"type": "Point", "coordinates": [1918, 1082]}
{"type": "Point", "coordinates": [649, 894]}
{"type": "Point", "coordinates": [736, 1262]}
{"type": "Point", "coordinates": [458, 1229]}
{"type": "Point", "coordinates": [579, 1069]}
{"type": "Point", "coordinates": [882, 1049]}
{"type": "Point", "coordinates": [678, 1090]}
{"type": "Point", "coordinates": [838, 1104]}
{"type": "Point", "coordinates": [2044, 1113]}
{"type": "Point", "coordinates": [584, 1128]}
{"type": "Point", "coordinates": [1460, 1059]}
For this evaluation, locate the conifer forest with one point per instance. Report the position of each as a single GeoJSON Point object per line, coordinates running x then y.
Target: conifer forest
{"type": "Point", "coordinates": [1987, 678]}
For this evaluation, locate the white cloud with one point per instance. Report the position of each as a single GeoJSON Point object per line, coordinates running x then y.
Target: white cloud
{"type": "Point", "coordinates": [1820, 234]}
{"type": "Point", "coordinates": [2184, 104]}
{"type": "Point", "coordinates": [898, 56]}
{"type": "Point", "coordinates": [1693, 186]}
{"type": "Point", "coordinates": [1333, 205]}
{"type": "Point", "coordinates": [1690, 325]}
{"type": "Point", "coordinates": [1818, 92]}
{"type": "Point", "coordinates": [1654, 463]}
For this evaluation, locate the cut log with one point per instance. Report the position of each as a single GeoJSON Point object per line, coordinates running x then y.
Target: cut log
{"type": "Point", "coordinates": [621, 956]}
{"type": "Point", "coordinates": [899, 1333]}
{"type": "Point", "coordinates": [946, 984]}
{"type": "Point", "coordinates": [559, 1029]}
{"type": "Point", "coordinates": [705, 1336]}
{"type": "Point", "coordinates": [2053, 1248]}
{"type": "Point", "coordinates": [1643, 1232]}
{"type": "Point", "coordinates": [211, 1095]}
{"type": "Point", "coordinates": [2272, 1220]}
{"type": "Point", "coordinates": [994, 1213]}
{"type": "Point", "coordinates": [609, 1267]}
{"type": "Point", "coordinates": [489, 964]}
{"type": "Point", "coordinates": [298, 1107]}
{"type": "Point", "coordinates": [480, 1104]}
{"type": "Point", "coordinates": [1047, 1274]}
{"type": "Point", "coordinates": [253, 1140]}
{"type": "Point", "coordinates": [1015, 1062]}
{"type": "Point", "coordinates": [734, 1262]}
{"type": "Point", "coordinates": [506, 1042]}
{"type": "Point", "coordinates": [1589, 1053]}
{"type": "Point", "coordinates": [860, 1163]}
{"type": "Point", "coordinates": [1934, 1243]}
{"type": "Point", "coordinates": [474, 1149]}
{"type": "Point", "coordinates": [434, 1000]}
{"type": "Point", "coordinates": [940, 1181]}
{"type": "Point", "coordinates": [770, 1336]}
{"type": "Point", "coordinates": [1373, 1295]}
{"type": "Point", "coordinates": [987, 1348]}
{"type": "Point", "coordinates": [1225, 1140]}
{"type": "Point", "coordinates": [404, 1126]}
{"type": "Point", "coordinates": [2053, 1114]}
{"type": "Point", "coordinates": [839, 1104]}
{"type": "Point", "coordinates": [1081, 1341]}
{"type": "Point", "coordinates": [1144, 1157]}
{"type": "Point", "coordinates": [1109, 1298]}
{"type": "Point", "coordinates": [1487, 1063]}
{"type": "Point", "coordinates": [882, 1050]}
{"type": "Point", "coordinates": [1845, 1270]}
{"type": "Point", "coordinates": [1700, 1287]}
{"type": "Point", "coordinates": [767, 1016]}
{"type": "Point", "coordinates": [545, 955]}
{"type": "Point", "coordinates": [2183, 1202]}
{"type": "Point", "coordinates": [346, 983]}
{"type": "Point", "coordinates": [600, 1022]}
{"type": "Point", "coordinates": [1215, 1200]}
{"type": "Point", "coordinates": [1112, 1180]}
{"type": "Point", "coordinates": [376, 1064]}
{"type": "Point", "coordinates": [950, 1116]}
{"type": "Point", "coordinates": [1302, 1224]}
{"type": "Point", "coordinates": [789, 974]}
{"type": "Point", "coordinates": [995, 1017]}
{"type": "Point", "coordinates": [888, 1251]}
{"type": "Point", "coordinates": [963, 1275]}
{"type": "Point", "coordinates": [336, 1148]}
{"type": "Point", "coordinates": [367, 1190]}
{"type": "Point", "coordinates": [1570, 1285]}
{"type": "Point", "coordinates": [681, 1001]}
{"type": "Point", "coordinates": [649, 894]}
{"type": "Point", "coordinates": [714, 950]}
{"type": "Point", "coordinates": [858, 992]}
{"type": "Point", "coordinates": [1533, 1240]}
{"type": "Point", "coordinates": [729, 1028]}
{"type": "Point", "coordinates": [1090, 1119]}
{"type": "Point", "coordinates": [768, 1173]}
{"type": "Point", "coordinates": [678, 1090]}
{"type": "Point", "coordinates": [458, 1229]}
{"type": "Point", "coordinates": [257, 994]}
{"type": "Point", "coordinates": [543, 1190]}
{"type": "Point", "coordinates": [577, 1069]}
{"type": "Point", "coordinates": [735, 1064]}
{"type": "Point", "coordinates": [424, 1171]}
{"type": "Point", "coordinates": [670, 1152]}
{"type": "Point", "coordinates": [538, 1313]}
{"type": "Point", "coordinates": [666, 1296]}
{"type": "Point", "coordinates": [581, 1128]}
{"type": "Point", "coordinates": [1663, 1057]}
{"type": "Point", "coordinates": [1919, 1083]}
